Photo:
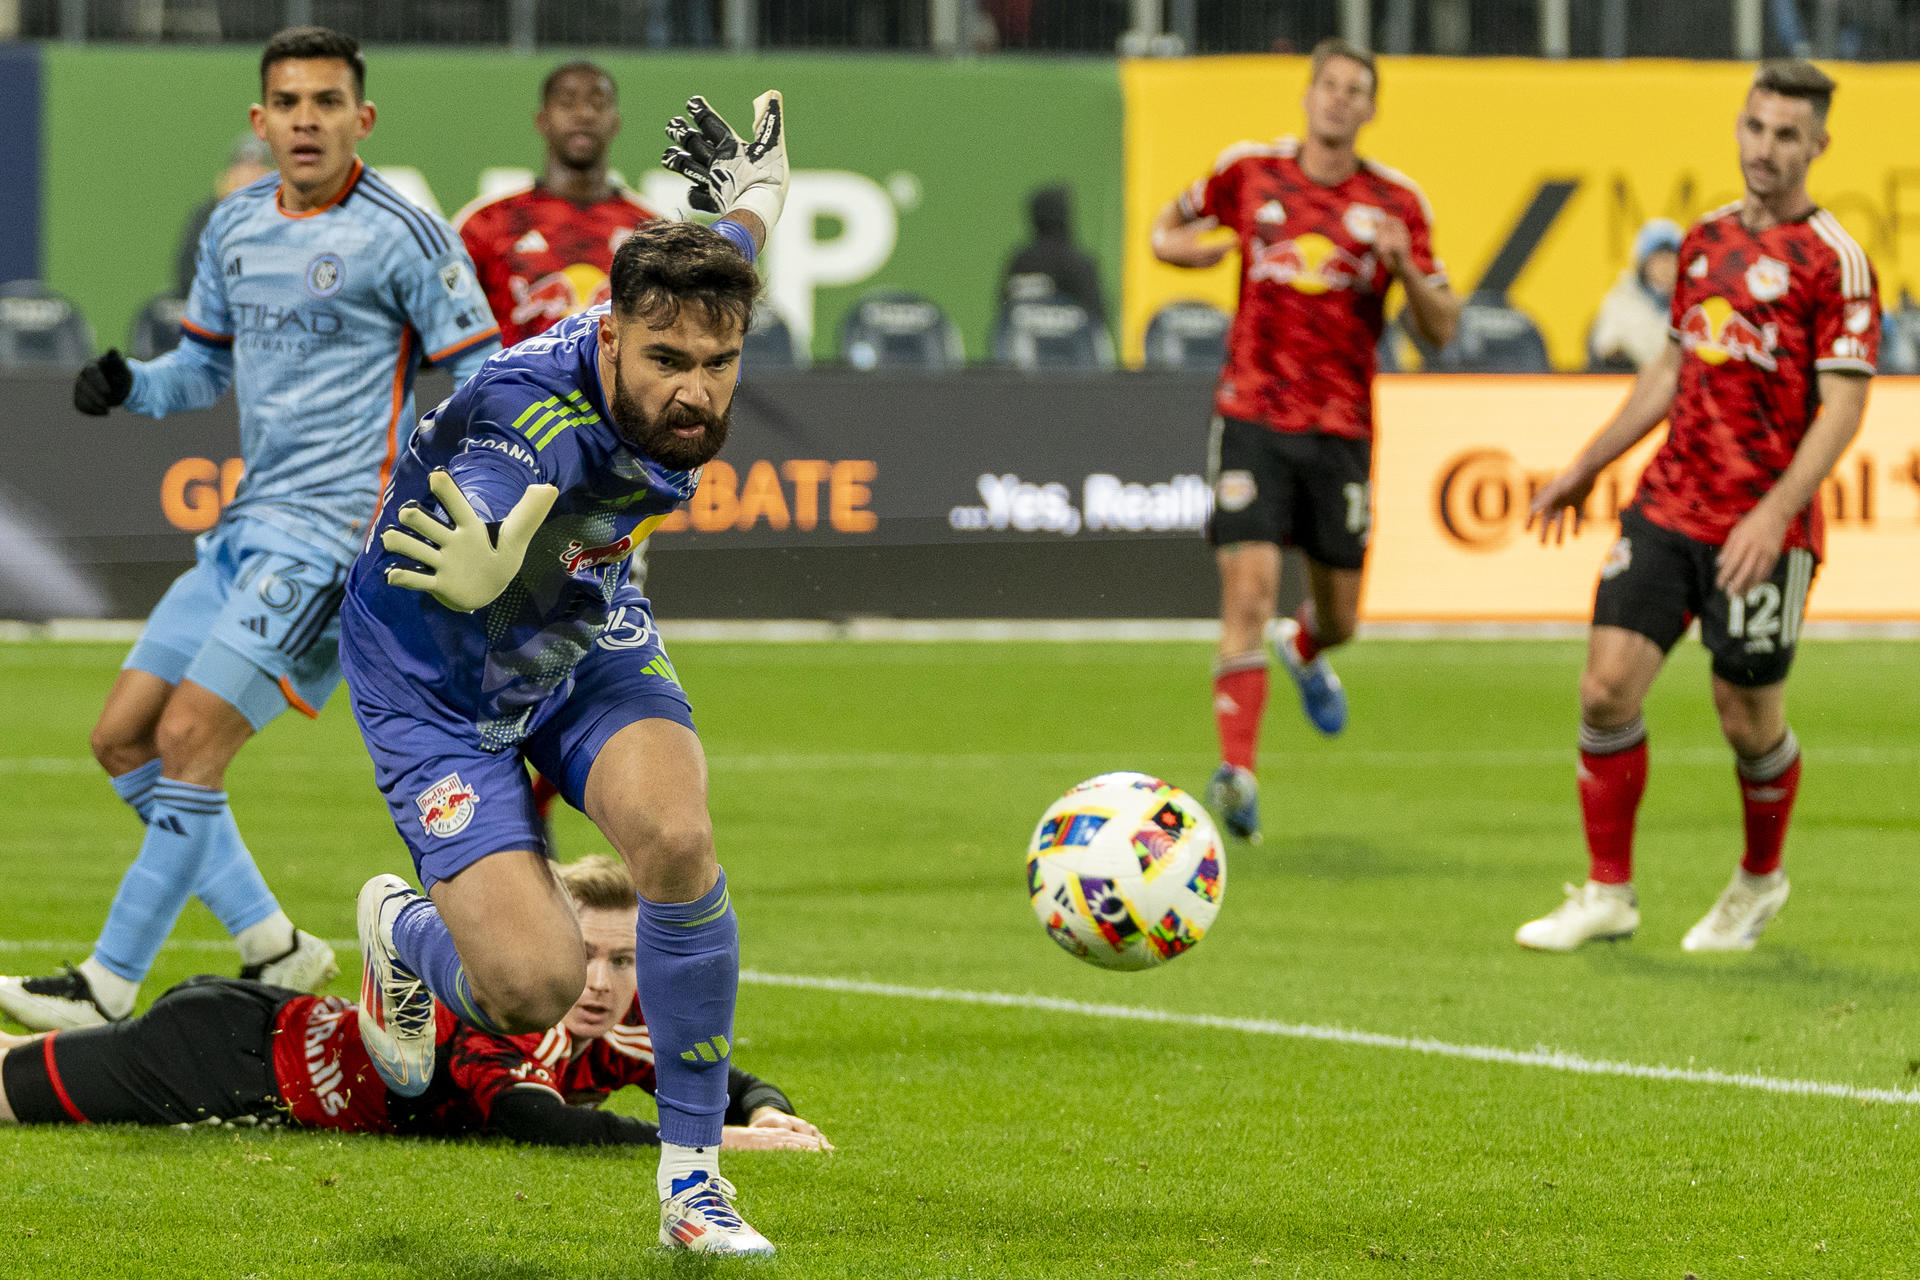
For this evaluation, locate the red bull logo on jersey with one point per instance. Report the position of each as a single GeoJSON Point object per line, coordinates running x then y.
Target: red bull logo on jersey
{"type": "Point", "coordinates": [578, 556]}
{"type": "Point", "coordinates": [559, 294]}
{"type": "Point", "coordinates": [1312, 264]}
{"type": "Point", "coordinates": [1716, 333]}
{"type": "Point", "coordinates": [447, 806]}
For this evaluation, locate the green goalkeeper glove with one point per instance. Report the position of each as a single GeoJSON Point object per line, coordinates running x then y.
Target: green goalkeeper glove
{"type": "Point", "coordinates": [468, 567]}
{"type": "Point", "coordinates": [729, 172]}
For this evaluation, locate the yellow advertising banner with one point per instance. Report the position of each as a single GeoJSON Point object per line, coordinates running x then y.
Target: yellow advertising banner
{"type": "Point", "coordinates": [1490, 139]}
{"type": "Point", "coordinates": [1459, 458]}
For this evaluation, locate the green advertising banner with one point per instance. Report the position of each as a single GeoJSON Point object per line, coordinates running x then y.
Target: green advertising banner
{"type": "Point", "coordinates": [909, 173]}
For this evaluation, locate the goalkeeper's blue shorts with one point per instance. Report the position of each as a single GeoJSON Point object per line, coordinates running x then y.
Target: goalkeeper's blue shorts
{"type": "Point", "coordinates": [255, 621]}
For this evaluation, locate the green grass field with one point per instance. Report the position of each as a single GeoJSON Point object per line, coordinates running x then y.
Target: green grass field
{"type": "Point", "coordinates": [872, 803]}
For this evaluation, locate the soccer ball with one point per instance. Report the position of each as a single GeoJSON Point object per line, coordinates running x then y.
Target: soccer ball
{"type": "Point", "coordinates": [1126, 871]}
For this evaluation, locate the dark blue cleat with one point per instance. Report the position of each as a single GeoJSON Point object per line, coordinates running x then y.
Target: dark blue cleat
{"type": "Point", "coordinates": [1234, 796]}
{"type": "Point", "coordinates": [1321, 694]}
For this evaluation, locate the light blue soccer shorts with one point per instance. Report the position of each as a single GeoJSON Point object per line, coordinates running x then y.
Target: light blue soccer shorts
{"type": "Point", "coordinates": [256, 621]}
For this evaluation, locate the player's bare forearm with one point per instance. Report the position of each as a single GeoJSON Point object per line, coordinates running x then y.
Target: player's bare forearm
{"type": "Point", "coordinates": [1843, 405]}
{"type": "Point", "coordinates": [1178, 238]}
{"type": "Point", "coordinates": [1432, 307]}
{"type": "Point", "coordinates": [1645, 408]}
{"type": "Point", "coordinates": [754, 227]}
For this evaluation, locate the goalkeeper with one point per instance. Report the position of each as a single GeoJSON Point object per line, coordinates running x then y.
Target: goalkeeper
{"type": "Point", "coordinates": [490, 621]}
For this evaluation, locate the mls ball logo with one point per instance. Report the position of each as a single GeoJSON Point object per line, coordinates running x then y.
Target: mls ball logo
{"type": "Point", "coordinates": [325, 274]}
{"type": "Point", "coordinates": [1768, 279]}
{"type": "Point", "coordinates": [447, 806]}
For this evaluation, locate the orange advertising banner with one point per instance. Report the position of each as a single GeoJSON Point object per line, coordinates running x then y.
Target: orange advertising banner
{"type": "Point", "coordinates": [1458, 459]}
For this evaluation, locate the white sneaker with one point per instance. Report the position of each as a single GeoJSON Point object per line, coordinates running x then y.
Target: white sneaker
{"type": "Point", "coordinates": [57, 1002]}
{"type": "Point", "coordinates": [699, 1217]}
{"type": "Point", "coordinates": [307, 965]}
{"type": "Point", "coordinates": [1742, 911]}
{"type": "Point", "coordinates": [1594, 910]}
{"type": "Point", "coordinates": [396, 1009]}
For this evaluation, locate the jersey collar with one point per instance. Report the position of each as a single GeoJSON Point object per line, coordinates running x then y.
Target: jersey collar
{"type": "Point", "coordinates": [353, 180]}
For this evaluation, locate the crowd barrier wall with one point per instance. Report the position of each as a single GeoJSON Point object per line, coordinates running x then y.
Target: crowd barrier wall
{"type": "Point", "coordinates": [987, 494]}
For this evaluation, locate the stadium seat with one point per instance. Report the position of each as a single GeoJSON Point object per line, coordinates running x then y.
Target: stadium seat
{"type": "Point", "coordinates": [1900, 339]}
{"type": "Point", "coordinates": [770, 346]}
{"type": "Point", "coordinates": [1190, 336]}
{"type": "Point", "coordinates": [1051, 331]}
{"type": "Point", "coordinates": [39, 329]}
{"type": "Point", "coordinates": [156, 330]}
{"type": "Point", "coordinates": [894, 329]}
{"type": "Point", "coordinates": [1493, 338]}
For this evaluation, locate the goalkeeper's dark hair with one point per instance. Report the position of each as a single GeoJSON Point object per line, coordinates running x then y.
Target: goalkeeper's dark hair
{"type": "Point", "coordinates": [316, 42]}
{"type": "Point", "coordinates": [1797, 78]}
{"type": "Point", "coordinates": [1334, 47]}
{"type": "Point", "coordinates": [593, 69]}
{"type": "Point", "coordinates": [665, 266]}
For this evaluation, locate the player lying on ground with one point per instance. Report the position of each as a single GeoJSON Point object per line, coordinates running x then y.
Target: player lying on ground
{"type": "Point", "coordinates": [1324, 234]}
{"type": "Point", "coordinates": [318, 291]}
{"type": "Point", "coordinates": [225, 1049]}
{"type": "Point", "coordinates": [491, 622]}
{"type": "Point", "coordinates": [1775, 330]}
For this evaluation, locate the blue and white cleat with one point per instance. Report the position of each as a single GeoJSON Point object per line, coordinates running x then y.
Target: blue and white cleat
{"type": "Point", "coordinates": [1233, 794]}
{"type": "Point", "coordinates": [396, 1009]}
{"type": "Point", "coordinates": [1321, 694]}
{"type": "Point", "coordinates": [699, 1217]}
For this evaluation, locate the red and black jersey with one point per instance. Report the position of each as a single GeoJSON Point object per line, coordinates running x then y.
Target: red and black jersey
{"type": "Point", "coordinates": [1758, 315]}
{"type": "Point", "coordinates": [329, 1082]}
{"type": "Point", "coordinates": [1300, 356]}
{"type": "Point", "coordinates": [541, 257]}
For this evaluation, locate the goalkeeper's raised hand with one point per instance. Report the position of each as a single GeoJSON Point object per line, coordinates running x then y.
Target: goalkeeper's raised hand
{"type": "Point", "coordinates": [731, 174]}
{"type": "Point", "coordinates": [103, 383]}
{"type": "Point", "coordinates": [466, 567]}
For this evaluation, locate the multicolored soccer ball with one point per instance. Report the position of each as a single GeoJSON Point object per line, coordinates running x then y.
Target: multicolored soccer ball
{"type": "Point", "coordinates": [1126, 871]}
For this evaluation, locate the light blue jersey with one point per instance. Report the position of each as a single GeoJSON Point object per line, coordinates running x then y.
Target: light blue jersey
{"type": "Point", "coordinates": [320, 320]}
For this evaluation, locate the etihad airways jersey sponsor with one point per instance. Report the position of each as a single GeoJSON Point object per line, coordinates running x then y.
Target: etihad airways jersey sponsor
{"type": "Point", "coordinates": [1313, 293]}
{"type": "Point", "coordinates": [542, 258]}
{"type": "Point", "coordinates": [1758, 316]}
{"type": "Point", "coordinates": [329, 1082]}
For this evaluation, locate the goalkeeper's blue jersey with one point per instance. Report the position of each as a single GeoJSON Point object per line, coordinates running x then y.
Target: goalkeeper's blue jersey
{"type": "Point", "coordinates": [534, 414]}
{"type": "Point", "coordinates": [320, 320]}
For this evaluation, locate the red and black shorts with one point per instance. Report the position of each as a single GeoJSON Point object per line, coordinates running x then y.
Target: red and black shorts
{"type": "Point", "coordinates": [1303, 489]}
{"type": "Point", "coordinates": [1655, 581]}
{"type": "Point", "coordinates": [203, 1051]}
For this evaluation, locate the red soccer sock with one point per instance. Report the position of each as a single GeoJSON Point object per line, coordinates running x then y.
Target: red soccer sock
{"type": "Point", "coordinates": [1306, 643]}
{"type": "Point", "coordinates": [543, 796]}
{"type": "Point", "coordinates": [1239, 696]}
{"type": "Point", "coordinates": [1767, 788]}
{"type": "Point", "coordinates": [1613, 776]}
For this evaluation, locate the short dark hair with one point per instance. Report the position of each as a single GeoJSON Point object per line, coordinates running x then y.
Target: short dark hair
{"type": "Point", "coordinates": [1797, 78]}
{"type": "Point", "coordinates": [667, 265]}
{"type": "Point", "coordinates": [1334, 47]}
{"type": "Point", "coordinates": [316, 42]}
{"type": "Point", "coordinates": [568, 68]}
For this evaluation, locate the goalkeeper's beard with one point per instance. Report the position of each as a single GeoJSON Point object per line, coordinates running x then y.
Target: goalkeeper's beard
{"type": "Point", "coordinates": [654, 436]}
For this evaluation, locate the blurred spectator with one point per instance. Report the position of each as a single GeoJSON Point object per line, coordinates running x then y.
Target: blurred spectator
{"type": "Point", "coordinates": [1632, 326]}
{"type": "Point", "coordinates": [1053, 263]}
{"type": "Point", "coordinates": [247, 162]}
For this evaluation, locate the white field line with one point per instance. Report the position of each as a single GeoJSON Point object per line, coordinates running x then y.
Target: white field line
{"type": "Point", "coordinates": [1330, 757]}
{"type": "Point", "coordinates": [1547, 1059]}
{"type": "Point", "coordinates": [1542, 1057]}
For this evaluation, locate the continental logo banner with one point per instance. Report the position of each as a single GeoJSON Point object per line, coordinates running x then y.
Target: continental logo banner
{"type": "Point", "coordinates": [1539, 172]}
{"type": "Point", "coordinates": [1459, 459]}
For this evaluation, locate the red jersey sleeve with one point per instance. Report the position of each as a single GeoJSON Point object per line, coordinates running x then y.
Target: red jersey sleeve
{"type": "Point", "coordinates": [484, 1066]}
{"type": "Point", "coordinates": [1846, 316]}
{"type": "Point", "coordinates": [1691, 251]}
{"type": "Point", "coordinates": [1419, 219]}
{"type": "Point", "coordinates": [1217, 195]}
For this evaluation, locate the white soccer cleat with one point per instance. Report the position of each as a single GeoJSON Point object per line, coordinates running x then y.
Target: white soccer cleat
{"type": "Point", "coordinates": [699, 1217]}
{"type": "Point", "coordinates": [396, 1009]}
{"type": "Point", "coordinates": [1593, 911]}
{"type": "Point", "coordinates": [307, 965]}
{"type": "Point", "coordinates": [1742, 911]}
{"type": "Point", "coordinates": [57, 1002]}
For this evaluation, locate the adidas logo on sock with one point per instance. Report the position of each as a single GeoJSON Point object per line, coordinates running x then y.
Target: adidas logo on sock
{"type": "Point", "coordinates": [171, 824]}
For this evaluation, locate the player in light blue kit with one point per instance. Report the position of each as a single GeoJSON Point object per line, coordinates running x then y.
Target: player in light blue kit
{"type": "Point", "coordinates": [492, 622]}
{"type": "Point", "coordinates": [320, 291]}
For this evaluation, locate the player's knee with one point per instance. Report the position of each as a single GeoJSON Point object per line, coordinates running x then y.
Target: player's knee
{"type": "Point", "coordinates": [119, 751]}
{"type": "Point", "coordinates": [1607, 698]}
{"type": "Point", "coordinates": [671, 855]}
{"type": "Point", "coordinates": [1750, 727]}
{"type": "Point", "coordinates": [191, 749]}
{"type": "Point", "coordinates": [533, 998]}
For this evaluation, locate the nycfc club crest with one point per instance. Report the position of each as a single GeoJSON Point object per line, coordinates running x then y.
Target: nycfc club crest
{"type": "Point", "coordinates": [450, 276]}
{"type": "Point", "coordinates": [447, 806]}
{"type": "Point", "coordinates": [1768, 279]}
{"type": "Point", "coordinates": [325, 275]}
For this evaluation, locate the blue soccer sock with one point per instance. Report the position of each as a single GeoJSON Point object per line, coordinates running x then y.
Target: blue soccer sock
{"type": "Point", "coordinates": [425, 947]}
{"type": "Point", "coordinates": [135, 786]}
{"type": "Point", "coordinates": [229, 882]}
{"type": "Point", "coordinates": [688, 962]}
{"type": "Point", "coordinates": [181, 821]}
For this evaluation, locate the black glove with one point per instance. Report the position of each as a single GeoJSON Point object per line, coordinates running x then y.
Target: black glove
{"type": "Point", "coordinates": [102, 384]}
{"type": "Point", "coordinates": [729, 172]}
{"type": "Point", "coordinates": [695, 148]}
